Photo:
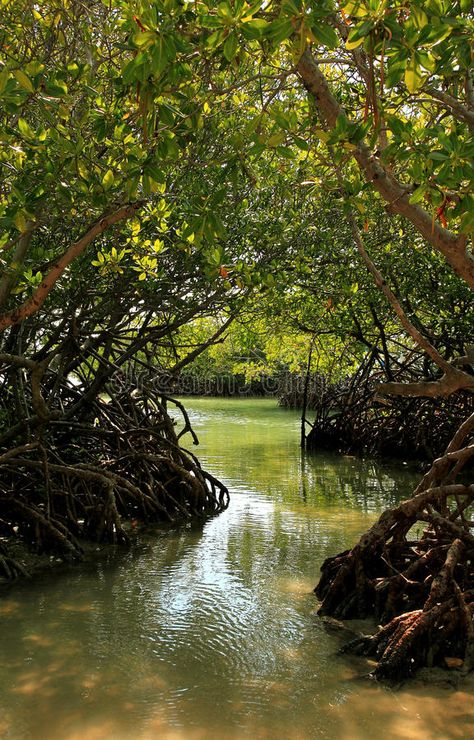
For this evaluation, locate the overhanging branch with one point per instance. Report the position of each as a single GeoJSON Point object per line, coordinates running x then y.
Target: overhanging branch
{"type": "Point", "coordinates": [36, 300]}
{"type": "Point", "coordinates": [395, 194]}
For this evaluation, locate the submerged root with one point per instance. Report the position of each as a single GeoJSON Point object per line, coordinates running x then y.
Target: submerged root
{"type": "Point", "coordinates": [414, 571]}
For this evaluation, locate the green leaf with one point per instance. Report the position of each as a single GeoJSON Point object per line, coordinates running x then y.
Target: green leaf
{"type": "Point", "coordinates": [144, 39]}
{"type": "Point", "coordinates": [250, 11]}
{"type": "Point", "coordinates": [23, 80]}
{"type": "Point", "coordinates": [435, 33]}
{"type": "Point", "coordinates": [325, 35]}
{"type": "Point", "coordinates": [215, 39]}
{"type": "Point", "coordinates": [445, 141]}
{"type": "Point", "coordinates": [154, 172]}
{"type": "Point", "coordinates": [230, 46]}
{"type": "Point", "coordinates": [355, 8]}
{"type": "Point", "coordinates": [396, 125]}
{"type": "Point", "coordinates": [413, 76]}
{"type": "Point", "coordinates": [257, 24]}
{"type": "Point", "coordinates": [129, 72]}
{"type": "Point", "coordinates": [426, 60]}
{"type": "Point", "coordinates": [438, 156]}
{"type": "Point", "coordinates": [19, 220]}
{"type": "Point", "coordinates": [358, 35]}
{"type": "Point", "coordinates": [396, 70]}
{"type": "Point", "coordinates": [276, 139]}
{"type": "Point", "coordinates": [108, 180]}
{"type": "Point", "coordinates": [419, 16]}
{"type": "Point", "coordinates": [25, 129]}
{"type": "Point", "coordinates": [277, 31]}
{"type": "Point", "coordinates": [301, 143]}
{"type": "Point", "coordinates": [292, 7]}
{"type": "Point", "coordinates": [4, 77]}
{"type": "Point", "coordinates": [210, 21]}
{"type": "Point", "coordinates": [342, 124]}
{"type": "Point", "coordinates": [56, 88]}
{"type": "Point", "coordinates": [418, 194]}
{"type": "Point", "coordinates": [285, 151]}
{"type": "Point", "coordinates": [224, 10]}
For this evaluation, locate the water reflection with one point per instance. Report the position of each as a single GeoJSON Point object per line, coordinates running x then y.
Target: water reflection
{"type": "Point", "coordinates": [208, 632]}
{"type": "Point", "coordinates": [250, 441]}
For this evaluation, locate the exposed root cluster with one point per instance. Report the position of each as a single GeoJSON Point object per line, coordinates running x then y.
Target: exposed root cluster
{"type": "Point", "coordinates": [414, 571]}
{"type": "Point", "coordinates": [350, 417]}
{"type": "Point", "coordinates": [84, 479]}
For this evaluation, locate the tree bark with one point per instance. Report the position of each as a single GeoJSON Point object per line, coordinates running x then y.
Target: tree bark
{"type": "Point", "coordinates": [396, 194]}
{"type": "Point", "coordinates": [32, 304]}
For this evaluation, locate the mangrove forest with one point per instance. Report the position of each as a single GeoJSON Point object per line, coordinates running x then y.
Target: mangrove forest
{"type": "Point", "coordinates": [236, 367]}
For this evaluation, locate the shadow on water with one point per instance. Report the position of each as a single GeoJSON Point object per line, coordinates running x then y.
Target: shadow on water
{"type": "Point", "coordinates": [208, 632]}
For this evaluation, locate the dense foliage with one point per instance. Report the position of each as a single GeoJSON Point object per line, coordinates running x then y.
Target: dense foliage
{"type": "Point", "coordinates": [168, 168]}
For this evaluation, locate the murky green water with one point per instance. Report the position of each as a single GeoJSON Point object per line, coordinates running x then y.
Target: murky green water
{"type": "Point", "coordinates": [209, 632]}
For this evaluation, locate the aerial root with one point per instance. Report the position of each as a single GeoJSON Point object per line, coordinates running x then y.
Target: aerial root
{"type": "Point", "coordinates": [414, 572]}
{"type": "Point", "coordinates": [96, 481]}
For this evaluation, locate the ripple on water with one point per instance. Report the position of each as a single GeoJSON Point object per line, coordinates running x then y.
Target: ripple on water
{"type": "Point", "coordinates": [208, 632]}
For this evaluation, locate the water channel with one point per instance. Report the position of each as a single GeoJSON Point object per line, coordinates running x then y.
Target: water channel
{"type": "Point", "coordinates": [208, 632]}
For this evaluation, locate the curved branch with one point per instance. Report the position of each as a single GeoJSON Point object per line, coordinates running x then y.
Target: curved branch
{"type": "Point", "coordinates": [32, 304]}
{"type": "Point", "coordinates": [10, 277]}
{"type": "Point", "coordinates": [176, 369]}
{"type": "Point", "coordinates": [458, 110]}
{"type": "Point", "coordinates": [396, 195]}
{"type": "Point", "coordinates": [452, 381]}
{"type": "Point", "coordinates": [420, 340]}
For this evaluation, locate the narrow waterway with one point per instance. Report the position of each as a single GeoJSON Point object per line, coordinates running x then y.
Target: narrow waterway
{"type": "Point", "coordinates": [209, 632]}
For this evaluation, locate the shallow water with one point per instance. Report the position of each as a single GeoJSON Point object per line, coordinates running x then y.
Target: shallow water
{"type": "Point", "coordinates": [209, 632]}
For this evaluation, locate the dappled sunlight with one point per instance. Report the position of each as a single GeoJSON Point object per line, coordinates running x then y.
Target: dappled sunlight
{"type": "Point", "coordinates": [209, 633]}
{"type": "Point", "coordinates": [91, 681]}
{"type": "Point", "coordinates": [159, 728]}
{"type": "Point", "coordinates": [6, 724]}
{"type": "Point", "coordinates": [9, 607]}
{"type": "Point", "coordinates": [405, 715]}
{"type": "Point", "coordinates": [60, 671]}
{"type": "Point", "coordinates": [151, 683]}
{"type": "Point", "coordinates": [99, 731]}
{"type": "Point", "coordinates": [76, 608]}
{"type": "Point", "coordinates": [34, 684]}
{"type": "Point", "coordinates": [39, 640]}
{"type": "Point", "coordinates": [70, 649]}
{"type": "Point", "coordinates": [291, 654]}
{"type": "Point", "coordinates": [297, 586]}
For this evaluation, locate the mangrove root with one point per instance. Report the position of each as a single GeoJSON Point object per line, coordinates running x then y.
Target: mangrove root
{"type": "Point", "coordinates": [85, 479]}
{"type": "Point", "coordinates": [413, 571]}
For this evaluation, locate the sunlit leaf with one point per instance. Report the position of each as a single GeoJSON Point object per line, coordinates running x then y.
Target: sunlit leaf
{"type": "Point", "coordinates": [413, 76]}
{"type": "Point", "coordinates": [23, 80]}
{"type": "Point", "coordinates": [108, 180]}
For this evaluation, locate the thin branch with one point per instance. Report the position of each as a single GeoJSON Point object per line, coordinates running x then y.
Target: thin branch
{"type": "Point", "coordinates": [458, 110]}
{"type": "Point", "coordinates": [396, 195]}
{"type": "Point", "coordinates": [452, 380]}
{"type": "Point", "coordinates": [176, 369]}
{"type": "Point", "coordinates": [36, 300]}
{"type": "Point", "coordinates": [12, 273]}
